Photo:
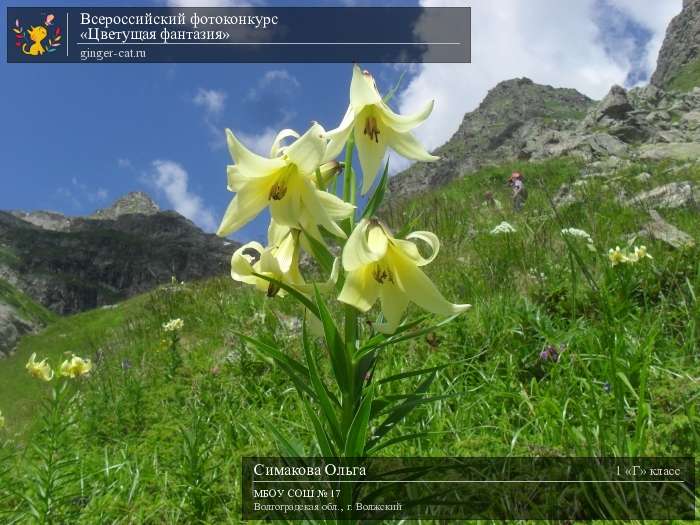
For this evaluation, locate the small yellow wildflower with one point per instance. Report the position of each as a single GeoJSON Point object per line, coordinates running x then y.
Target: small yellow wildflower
{"type": "Point", "coordinates": [174, 325]}
{"type": "Point", "coordinates": [641, 253]}
{"type": "Point", "coordinates": [39, 370]}
{"type": "Point", "coordinates": [617, 256]}
{"type": "Point", "coordinates": [2, 420]}
{"type": "Point", "coordinates": [75, 367]}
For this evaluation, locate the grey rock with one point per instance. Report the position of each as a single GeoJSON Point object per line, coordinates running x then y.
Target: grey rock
{"type": "Point", "coordinates": [615, 104]}
{"type": "Point", "coordinates": [663, 231]}
{"type": "Point", "coordinates": [671, 195]}
{"type": "Point", "coordinates": [566, 196]}
{"type": "Point", "coordinates": [691, 120]}
{"type": "Point", "coordinates": [672, 150]}
{"type": "Point", "coordinates": [643, 177]}
{"type": "Point", "coordinates": [497, 130]}
{"type": "Point", "coordinates": [48, 220]}
{"type": "Point", "coordinates": [100, 261]}
{"type": "Point", "coordinates": [136, 202]}
{"type": "Point", "coordinates": [13, 325]}
{"type": "Point", "coordinates": [681, 46]}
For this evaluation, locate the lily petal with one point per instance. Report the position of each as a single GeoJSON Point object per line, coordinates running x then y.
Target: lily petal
{"type": "Point", "coordinates": [370, 149]}
{"type": "Point", "coordinates": [357, 251]}
{"type": "Point", "coordinates": [249, 163]}
{"type": "Point", "coordinates": [363, 90]}
{"type": "Point", "coordinates": [420, 289]}
{"type": "Point", "coordinates": [406, 145]}
{"type": "Point", "coordinates": [394, 303]}
{"type": "Point", "coordinates": [429, 238]}
{"type": "Point", "coordinates": [339, 136]}
{"type": "Point", "coordinates": [243, 208]}
{"type": "Point", "coordinates": [360, 289]}
{"type": "Point", "coordinates": [307, 152]}
{"type": "Point", "coordinates": [242, 262]}
{"type": "Point", "coordinates": [336, 207]}
{"type": "Point", "coordinates": [286, 250]}
{"type": "Point", "coordinates": [312, 204]}
{"type": "Point", "coordinates": [276, 147]}
{"type": "Point", "coordinates": [404, 123]}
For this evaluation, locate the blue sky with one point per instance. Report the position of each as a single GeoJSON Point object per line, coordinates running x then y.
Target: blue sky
{"type": "Point", "coordinates": [77, 136]}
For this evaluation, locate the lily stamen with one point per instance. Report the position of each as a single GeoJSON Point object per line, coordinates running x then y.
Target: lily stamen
{"type": "Point", "coordinates": [277, 192]}
{"type": "Point", "coordinates": [372, 129]}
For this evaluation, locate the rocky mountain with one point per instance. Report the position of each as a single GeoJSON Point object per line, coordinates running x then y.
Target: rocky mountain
{"type": "Point", "coordinates": [497, 130]}
{"type": "Point", "coordinates": [679, 60]}
{"type": "Point", "coordinates": [71, 264]}
{"type": "Point", "coordinates": [519, 119]}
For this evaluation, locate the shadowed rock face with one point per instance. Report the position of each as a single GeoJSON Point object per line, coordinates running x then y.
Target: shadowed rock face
{"type": "Point", "coordinates": [123, 250]}
{"type": "Point", "coordinates": [681, 46]}
{"type": "Point", "coordinates": [496, 131]}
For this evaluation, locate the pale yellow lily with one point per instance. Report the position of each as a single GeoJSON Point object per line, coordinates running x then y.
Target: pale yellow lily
{"type": "Point", "coordinates": [286, 182]}
{"type": "Point", "coordinates": [40, 370]}
{"type": "Point", "coordinates": [382, 267]}
{"type": "Point", "coordinates": [75, 367]}
{"type": "Point", "coordinates": [279, 261]}
{"type": "Point", "coordinates": [376, 127]}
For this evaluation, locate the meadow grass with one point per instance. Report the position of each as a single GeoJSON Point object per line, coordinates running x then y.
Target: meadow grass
{"type": "Point", "coordinates": [152, 440]}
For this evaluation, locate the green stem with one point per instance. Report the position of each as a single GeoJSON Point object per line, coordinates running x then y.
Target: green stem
{"type": "Point", "coordinates": [349, 186]}
{"type": "Point", "coordinates": [573, 286]}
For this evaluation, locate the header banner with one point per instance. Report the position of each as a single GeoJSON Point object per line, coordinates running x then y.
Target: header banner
{"type": "Point", "coordinates": [238, 34]}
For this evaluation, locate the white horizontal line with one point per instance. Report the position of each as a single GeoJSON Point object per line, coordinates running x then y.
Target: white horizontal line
{"type": "Point", "coordinates": [269, 43]}
{"type": "Point", "coordinates": [464, 481]}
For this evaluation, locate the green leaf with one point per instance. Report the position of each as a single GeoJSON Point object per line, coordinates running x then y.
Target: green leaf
{"type": "Point", "coordinates": [402, 410]}
{"type": "Point", "coordinates": [378, 196]}
{"type": "Point", "coordinates": [320, 253]}
{"type": "Point", "coordinates": [334, 344]}
{"type": "Point", "coordinates": [285, 446]}
{"type": "Point", "coordinates": [322, 395]}
{"type": "Point", "coordinates": [380, 338]}
{"type": "Point", "coordinates": [399, 439]}
{"type": "Point", "coordinates": [397, 339]}
{"type": "Point", "coordinates": [297, 372]}
{"type": "Point", "coordinates": [292, 291]}
{"type": "Point", "coordinates": [357, 434]}
{"type": "Point", "coordinates": [413, 373]}
{"type": "Point", "coordinates": [322, 439]}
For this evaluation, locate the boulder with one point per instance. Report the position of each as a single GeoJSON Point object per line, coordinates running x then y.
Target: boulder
{"type": "Point", "coordinates": [663, 231]}
{"type": "Point", "coordinates": [671, 195]}
{"type": "Point", "coordinates": [672, 150]}
{"type": "Point", "coordinates": [615, 105]}
{"type": "Point", "coordinates": [12, 326]}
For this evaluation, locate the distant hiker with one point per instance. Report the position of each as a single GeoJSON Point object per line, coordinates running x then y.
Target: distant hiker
{"type": "Point", "coordinates": [491, 202]}
{"type": "Point", "coordinates": [519, 192]}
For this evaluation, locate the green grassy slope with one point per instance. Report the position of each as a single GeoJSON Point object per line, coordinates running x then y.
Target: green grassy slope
{"type": "Point", "coordinates": [687, 78]}
{"type": "Point", "coordinates": [24, 305]}
{"type": "Point", "coordinates": [165, 448]}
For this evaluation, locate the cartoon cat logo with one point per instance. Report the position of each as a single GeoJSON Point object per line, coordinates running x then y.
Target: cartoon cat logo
{"type": "Point", "coordinates": [31, 41]}
{"type": "Point", "coordinates": [37, 35]}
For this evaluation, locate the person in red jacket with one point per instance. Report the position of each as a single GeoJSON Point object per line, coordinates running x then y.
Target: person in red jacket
{"type": "Point", "coordinates": [517, 183]}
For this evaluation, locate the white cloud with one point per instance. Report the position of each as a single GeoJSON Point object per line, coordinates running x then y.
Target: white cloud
{"type": "Point", "coordinates": [172, 179]}
{"type": "Point", "coordinates": [213, 101]}
{"type": "Point", "coordinates": [280, 80]}
{"type": "Point", "coordinates": [654, 16]}
{"type": "Point", "coordinates": [549, 41]}
{"type": "Point", "coordinates": [261, 142]}
{"type": "Point", "coordinates": [124, 163]}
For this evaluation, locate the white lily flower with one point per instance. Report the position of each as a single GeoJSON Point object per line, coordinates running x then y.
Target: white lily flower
{"type": "Point", "coordinates": [287, 183]}
{"type": "Point", "coordinates": [382, 267]}
{"type": "Point", "coordinates": [376, 127]}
